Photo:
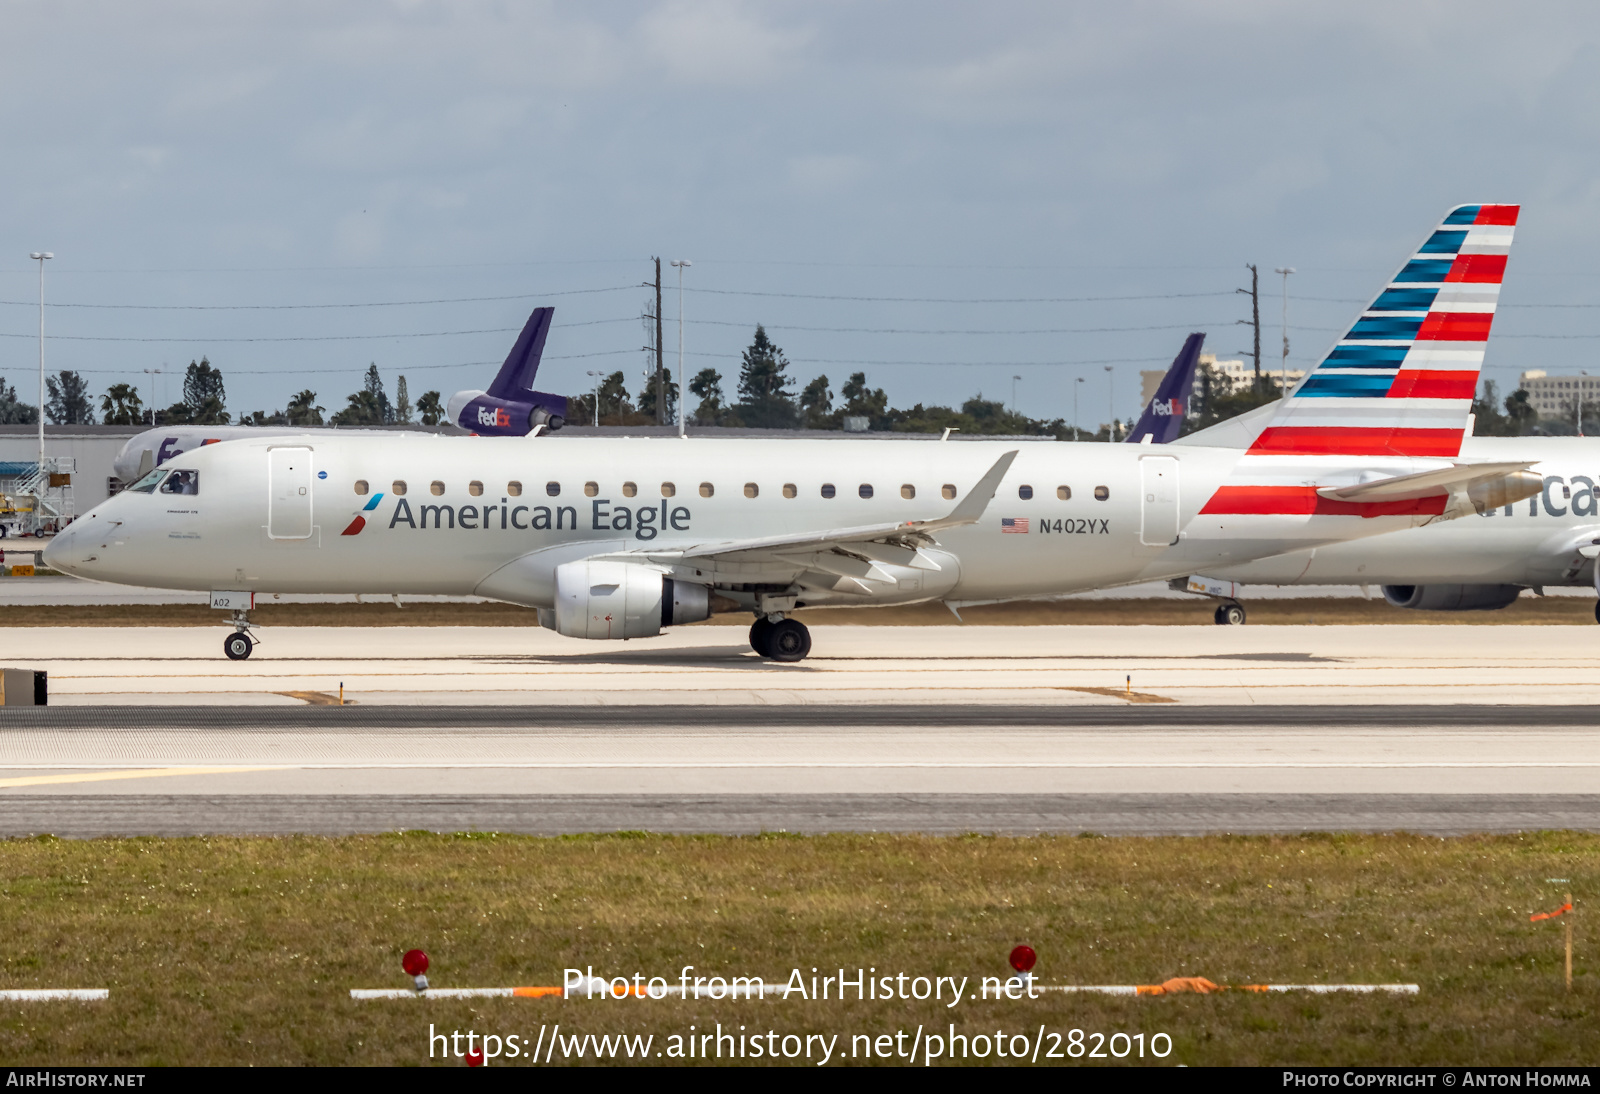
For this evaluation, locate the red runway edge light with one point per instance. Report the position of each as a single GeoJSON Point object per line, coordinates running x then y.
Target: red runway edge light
{"type": "Point", "coordinates": [1022, 958]}
{"type": "Point", "coordinates": [415, 962]}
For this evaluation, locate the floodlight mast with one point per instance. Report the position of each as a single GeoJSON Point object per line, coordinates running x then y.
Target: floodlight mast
{"type": "Point", "coordinates": [38, 503]}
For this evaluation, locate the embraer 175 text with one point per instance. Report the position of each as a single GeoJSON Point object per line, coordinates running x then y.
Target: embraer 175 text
{"type": "Point", "coordinates": [619, 538]}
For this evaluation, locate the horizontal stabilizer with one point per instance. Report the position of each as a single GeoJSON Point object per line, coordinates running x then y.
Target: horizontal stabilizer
{"type": "Point", "coordinates": [1426, 484]}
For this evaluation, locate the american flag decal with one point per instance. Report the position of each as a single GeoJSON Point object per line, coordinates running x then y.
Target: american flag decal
{"type": "Point", "coordinates": [1014, 524]}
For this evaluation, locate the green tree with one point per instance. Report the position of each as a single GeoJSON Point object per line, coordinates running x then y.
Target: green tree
{"type": "Point", "coordinates": [204, 397]}
{"type": "Point", "coordinates": [429, 408]}
{"type": "Point", "coordinates": [303, 409]}
{"type": "Point", "coordinates": [647, 395]}
{"type": "Point", "coordinates": [764, 399]}
{"type": "Point", "coordinates": [121, 405]}
{"type": "Point", "coordinates": [402, 402]}
{"type": "Point", "coordinates": [707, 384]}
{"type": "Point", "coordinates": [261, 417]}
{"type": "Point", "coordinates": [1487, 418]}
{"type": "Point", "coordinates": [68, 402]}
{"type": "Point", "coordinates": [372, 384]}
{"type": "Point", "coordinates": [1522, 417]}
{"type": "Point", "coordinates": [861, 401]}
{"type": "Point", "coordinates": [816, 403]}
{"type": "Point", "coordinates": [364, 409]}
{"type": "Point", "coordinates": [12, 410]}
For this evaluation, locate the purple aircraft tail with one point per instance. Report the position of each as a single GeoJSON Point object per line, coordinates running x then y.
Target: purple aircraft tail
{"type": "Point", "coordinates": [515, 379]}
{"type": "Point", "coordinates": [1162, 420]}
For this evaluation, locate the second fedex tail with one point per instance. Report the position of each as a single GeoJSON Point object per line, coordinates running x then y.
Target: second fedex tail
{"type": "Point", "coordinates": [1163, 417]}
{"type": "Point", "coordinates": [511, 408]}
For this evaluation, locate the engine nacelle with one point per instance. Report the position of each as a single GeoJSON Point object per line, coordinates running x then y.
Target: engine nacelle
{"type": "Point", "coordinates": [1451, 598]}
{"type": "Point", "coordinates": [603, 600]}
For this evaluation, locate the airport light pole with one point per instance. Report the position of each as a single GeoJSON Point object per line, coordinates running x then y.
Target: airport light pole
{"type": "Point", "coordinates": [1111, 406]}
{"type": "Point", "coordinates": [1283, 366]}
{"type": "Point", "coordinates": [154, 398]}
{"type": "Point", "coordinates": [40, 257]}
{"type": "Point", "coordinates": [1014, 380]}
{"type": "Point", "coordinates": [683, 386]}
{"type": "Point", "coordinates": [597, 376]}
{"type": "Point", "coordinates": [1075, 408]}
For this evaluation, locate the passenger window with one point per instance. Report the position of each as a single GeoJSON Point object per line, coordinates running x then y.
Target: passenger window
{"type": "Point", "coordinates": [361, 487]}
{"type": "Point", "coordinates": [398, 488]}
{"type": "Point", "coordinates": [949, 491]}
{"type": "Point", "coordinates": [475, 488]}
{"type": "Point", "coordinates": [706, 490]}
{"type": "Point", "coordinates": [751, 490]}
{"type": "Point", "coordinates": [514, 488]}
{"type": "Point", "coordinates": [1101, 493]}
{"type": "Point", "coordinates": [147, 485]}
{"type": "Point", "coordinates": [591, 489]}
{"type": "Point", "coordinates": [1064, 493]}
{"type": "Point", "coordinates": [865, 490]}
{"type": "Point", "coordinates": [1025, 493]}
{"type": "Point", "coordinates": [436, 488]}
{"type": "Point", "coordinates": [629, 490]}
{"type": "Point", "coordinates": [182, 482]}
{"type": "Point", "coordinates": [789, 491]}
{"type": "Point", "coordinates": [908, 491]}
{"type": "Point", "coordinates": [827, 490]}
{"type": "Point", "coordinates": [668, 490]}
{"type": "Point", "coordinates": [553, 489]}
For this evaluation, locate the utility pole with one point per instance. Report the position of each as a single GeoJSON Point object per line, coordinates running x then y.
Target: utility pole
{"type": "Point", "coordinates": [1283, 367]}
{"type": "Point", "coordinates": [1075, 408]}
{"type": "Point", "coordinates": [661, 381]}
{"type": "Point", "coordinates": [1111, 406]}
{"type": "Point", "coordinates": [1254, 292]}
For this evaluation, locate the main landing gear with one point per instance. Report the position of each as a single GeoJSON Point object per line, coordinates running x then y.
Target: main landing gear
{"type": "Point", "coordinates": [783, 640]}
{"type": "Point", "coordinates": [239, 644]}
{"type": "Point", "coordinates": [1230, 614]}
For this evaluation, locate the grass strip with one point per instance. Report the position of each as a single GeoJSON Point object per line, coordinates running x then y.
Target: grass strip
{"type": "Point", "coordinates": [243, 951]}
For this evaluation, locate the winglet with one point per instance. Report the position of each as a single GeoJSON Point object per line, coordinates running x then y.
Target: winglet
{"type": "Point", "coordinates": [970, 509]}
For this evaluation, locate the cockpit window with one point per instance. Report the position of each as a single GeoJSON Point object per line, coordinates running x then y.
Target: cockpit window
{"type": "Point", "coordinates": [182, 482]}
{"type": "Point", "coordinates": [147, 485]}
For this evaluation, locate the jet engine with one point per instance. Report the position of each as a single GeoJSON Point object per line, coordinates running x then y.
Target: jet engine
{"type": "Point", "coordinates": [1451, 598]}
{"type": "Point", "coordinates": [596, 599]}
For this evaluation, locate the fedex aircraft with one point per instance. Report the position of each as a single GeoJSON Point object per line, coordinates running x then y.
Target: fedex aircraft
{"type": "Point", "coordinates": [510, 408]}
{"type": "Point", "coordinates": [1163, 417]}
{"type": "Point", "coordinates": [619, 538]}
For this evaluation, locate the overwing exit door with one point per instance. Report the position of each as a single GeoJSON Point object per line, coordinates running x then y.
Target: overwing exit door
{"type": "Point", "coordinates": [289, 493]}
{"type": "Point", "coordinates": [1158, 500]}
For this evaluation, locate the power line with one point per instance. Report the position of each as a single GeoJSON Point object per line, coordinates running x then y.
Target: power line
{"type": "Point", "coordinates": [317, 307]}
{"type": "Point", "coordinates": [961, 300]}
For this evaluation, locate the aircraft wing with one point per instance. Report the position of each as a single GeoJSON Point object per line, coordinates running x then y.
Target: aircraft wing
{"type": "Point", "coordinates": [1426, 484]}
{"type": "Point", "coordinates": [847, 554]}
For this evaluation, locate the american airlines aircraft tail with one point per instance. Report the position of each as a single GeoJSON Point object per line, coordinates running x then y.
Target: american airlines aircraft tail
{"type": "Point", "coordinates": [620, 538]}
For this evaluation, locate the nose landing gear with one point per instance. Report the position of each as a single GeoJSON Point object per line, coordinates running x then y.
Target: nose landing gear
{"type": "Point", "coordinates": [239, 644]}
{"type": "Point", "coordinates": [786, 640]}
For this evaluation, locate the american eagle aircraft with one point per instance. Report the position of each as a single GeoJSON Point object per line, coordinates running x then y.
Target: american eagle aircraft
{"type": "Point", "coordinates": [620, 538]}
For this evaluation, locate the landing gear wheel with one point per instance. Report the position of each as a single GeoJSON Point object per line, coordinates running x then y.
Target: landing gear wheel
{"type": "Point", "coordinates": [237, 646]}
{"type": "Point", "coordinates": [1230, 615]}
{"type": "Point", "coordinates": [788, 641]}
{"type": "Point", "coordinates": [760, 635]}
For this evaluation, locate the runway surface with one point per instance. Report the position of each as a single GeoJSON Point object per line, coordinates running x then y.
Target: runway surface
{"type": "Point", "coordinates": [941, 768]}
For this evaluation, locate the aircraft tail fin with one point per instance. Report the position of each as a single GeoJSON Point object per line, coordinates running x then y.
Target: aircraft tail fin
{"type": "Point", "coordinates": [1400, 382]}
{"type": "Point", "coordinates": [522, 363]}
{"type": "Point", "coordinates": [1162, 419]}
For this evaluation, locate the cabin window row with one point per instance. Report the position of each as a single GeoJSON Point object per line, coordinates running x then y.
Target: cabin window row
{"type": "Point", "coordinates": [707, 490]}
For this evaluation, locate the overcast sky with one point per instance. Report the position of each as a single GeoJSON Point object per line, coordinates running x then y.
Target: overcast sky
{"type": "Point", "coordinates": [206, 161]}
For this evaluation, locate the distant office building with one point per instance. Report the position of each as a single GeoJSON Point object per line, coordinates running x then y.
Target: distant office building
{"type": "Point", "coordinates": [1553, 396]}
{"type": "Point", "coordinates": [1235, 376]}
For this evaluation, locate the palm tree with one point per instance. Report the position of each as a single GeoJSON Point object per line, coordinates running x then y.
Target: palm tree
{"type": "Point", "coordinates": [121, 405]}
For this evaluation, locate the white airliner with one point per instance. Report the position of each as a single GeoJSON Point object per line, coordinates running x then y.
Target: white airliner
{"type": "Point", "coordinates": [618, 538]}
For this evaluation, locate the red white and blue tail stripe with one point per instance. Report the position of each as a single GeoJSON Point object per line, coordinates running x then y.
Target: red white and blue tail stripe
{"type": "Point", "coordinates": [1400, 383]}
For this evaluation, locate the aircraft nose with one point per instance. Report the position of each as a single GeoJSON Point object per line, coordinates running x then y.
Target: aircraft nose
{"type": "Point", "coordinates": [59, 553]}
